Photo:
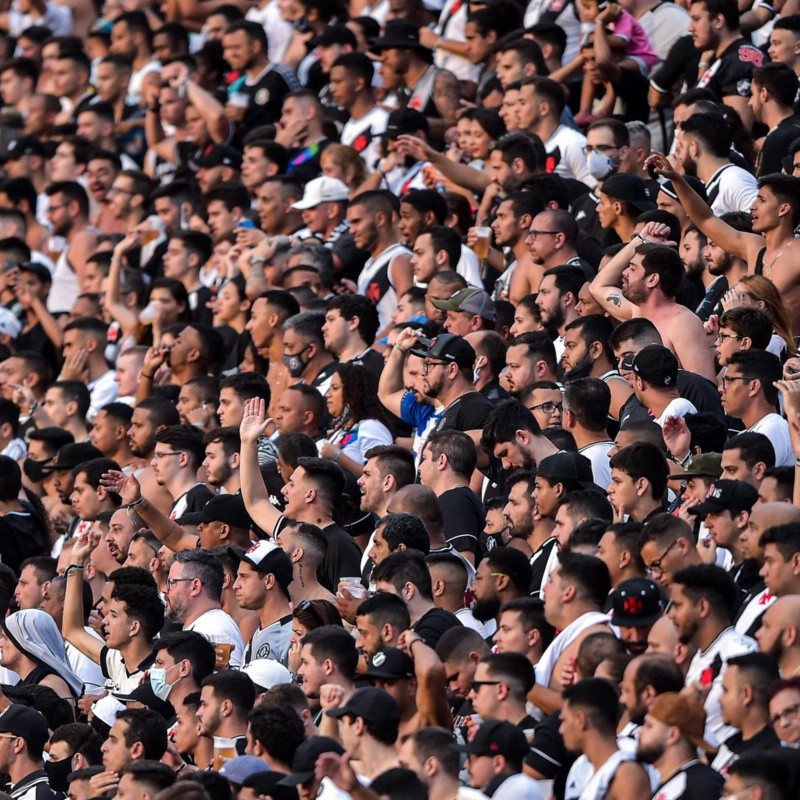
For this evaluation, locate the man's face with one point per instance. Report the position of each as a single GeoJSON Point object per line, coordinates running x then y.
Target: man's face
{"type": "Point", "coordinates": [237, 50]}
{"type": "Point", "coordinates": [371, 485]}
{"type": "Point", "coordinates": [508, 109]}
{"type": "Point", "coordinates": [167, 463]}
{"type": "Point", "coordinates": [508, 67]}
{"type": "Point", "coordinates": [519, 369]}
{"type": "Point", "coordinates": [249, 587]}
{"type": "Point", "coordinates": [295, 491]}
{"type": "Point", "coordinates": [550, 304]}
{"type": "Point", "coordinates": [622, 491]}
{"type": "Point", "coordinates": [117, 624]}
{"type": "Point", "coordinates": [545, 497]}
{"type": "Point", "coordinates": [311, 673]}
{"type": "Point", "coordinates": [343, 87]}
{"type": "Point", "coordinates": [177, 261]}
{"type": "Point", "coordinates": [506, 225]}
{"type": "Point", "coordinates": [423, 259]}
{"type": "Point", "coordinates": [735, 392]}
{"type": "Point", "coordinates": [110, 83]}
{"type": "Point", "coordinates": [628, 697]}
{"type": "Point", "coordinates": [141, 435]}
{"type": "Point", "coordinates": [634, 281]}
{"type": "Point", "coordinates": [86, 500]}
{"type": "Point", "coordinates": [570, 729]}
{"type": "Point", "coordinates": [770, 634]}
{"type": "Point", "coordinates": [779, 574]}
{"type": "Point", "coordinates": [116, 753]}
{"type": "Point", "coordinates": [368, 641]}
{"type": "Point", "coordinates": [703, 28]}
{"type": "Point", "coordinates": [547, 407]}
{"type": "Point", "coordinates": [652, 740]}
{"type": "Point", "coordinates": [220, 219]}
{"type": "Point", "coordinates": [519, 510]}
{"type": "Point", "coordinates": [529, 112]}
{"type": "Point", "coordinates": [209, 712]}
{"type": "Point", "coordinates": [29, 591]}
{"type": "Point", "coordinates": [784, 711]}
{"type": "Point", "coordinates": [410, 224]}
{"type": "Point", "coordinates": [664, 561]}
{"type": "Point", "coordinates": [543, 244]}
{"type": "Point", "coordinates": [255, 168]}
{"type": "Point", "coordinates": [607, 211]}
{"type": "Point", "coordinates": [363, 227]}
{"type": "Point", "coordinates": [231, 407]}
{"type": "Point", "coordinates": [635, 638]}
{"type": "Point", "coordinates": [723, 528]}
{"type": "Point", "coordinates": [783, 47]}
{"type": "Point", "coordinates": [731, 700]}
{"type": "Point", "coordinates": [500, 172]}
{"type": "Point", "coordinates": [217, 464]}
{"type": "Point", "coordinates": [380, 548]}
{"type": "Point", "coordinates": [734, 467]}
{"type": "Point", "coordinates": [514, 454]}
{"type": "Point", "coordinates": [727, 343]}
{"type": "Point", "coordinates": [608, 552]}
{"type": "Point", "coordinates": [105, 433]}
{"type": "Point", "coordinates": [511, 636]}
{"type": "Point", "coordinates": [120, 533]}
{"type": "Point", "coordinates": [13, 88]}
{"type": "Point", "coordinates": [178, 594]}
{"type": "Point", "coordinates": [576, 353]}
{"type": "Point", "coordinates": [459, 323]}
{"type": "Point", "coordinates": [683, 613]}
{"type": "Point", "coordinates": [271, 206]}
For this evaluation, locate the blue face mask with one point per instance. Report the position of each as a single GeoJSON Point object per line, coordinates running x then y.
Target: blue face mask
{"type": "Point", "coordinates": [158, 682]}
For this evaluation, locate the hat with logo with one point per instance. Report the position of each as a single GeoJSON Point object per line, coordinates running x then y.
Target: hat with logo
{"type": "Point", "coordinates": [399, 34]}
{"type": "Point", "coordinates": [470, 300]}
{"type": "Point", "coordinates": [25, 146]}
{"type": "Point", "coordinates": [227, 508]}
{"type": "Point", "coordinates": [268, 558]}
{"type": "Point", "coordinates": [218, 155]}
{"type": "Point", "coordinates": [683, 712]}
{"type": "Point", "coordinates": [390, 664]}
{"type": "Point", "coordinates": [335, 34]}
{"type": "Point", "coordinates": [70, 455]}
{"type": "Point", "coordinates": [657, 365]}
{"type": "Point", "coordinates": [450, 348]}
{"type": "Point", "coordinates": [375, 706]}
{"type": "Point", "coordinates": [630, 188]}
{"type": "Point", "coordinates": [497, 738]}
{"type": "Point", "coordinates": [572, 469]}
{"type": "Point", "coordinates": [405, 120]}
{"type": "Point", "coordinates": [635, 603]}
{"type": "Point", "coordinates": [305, 758]}
{"type": "Point", "coordinates": [706, 465]}
{"type": "Point", "coordinates": [322, 190]}
{"type": "Point", "coordinates": [9, 323]}
{"type": "Point", "coordinates": [28, 724]}
{"type": "Point", "coordinates": [725, 495]}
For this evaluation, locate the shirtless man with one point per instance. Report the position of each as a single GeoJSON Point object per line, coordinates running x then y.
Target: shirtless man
{"type": "Point", "coordinates": [771, 248]}
{"type": "Point", "coordinates": [649, 274]}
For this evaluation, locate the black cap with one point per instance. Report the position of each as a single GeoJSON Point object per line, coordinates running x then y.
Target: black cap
{"type": "Point", "coordinates": [696, 184]}
{"type": "Point", "coordinates": [405, 120]}
{"type": "Point", "coordinates": [636, 603]}
{"type": "Point", "coordinates": [70, 455]}
{"type": "Point", "coordinates": [227, 508]}
{"type": "Point", "coordinates": [448, 347]}
{"type": "Point", "coordinates": [496, 738]}
{"type": "Point", "coordinates": [400, 34]}
{"type": "Point", "coordinates": [28, 724]}
{"type": "Point", "coordinates": [630, 188]}
{"type": "Point", "coordinates": [725, 495]}
{"type": "Point", "coordinates": [218, 155]}
{"type": "Point", "coordinates": [390, 664]}
{"type": "Point", "coordinates": [375, 706]}
{"type": "Point", "coordinates": [266, 557]}
{"type": "Point", "coordinates": [335, 34]}
{"type": "Point", "coordinates": [25, 146]}
{"type": "Point", "coordinates": [305, 759]}
{"type": "Point", "coordinates": [145, 695]}
{"type": "Point", "coordinates": [38, 269]}
{"type": "Point", "coordinates": [571, 469]}
{"type": "Point", "coordinates": [657, 365]}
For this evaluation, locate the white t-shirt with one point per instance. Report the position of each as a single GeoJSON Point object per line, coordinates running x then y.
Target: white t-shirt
{"type": "Point", "coordinates": [452, 26]}
{"type": "Point", "coordinates": [597, 453]}
{"type": "Point", "coordinates": [279, 31]}
{"type": "Point", "coordinates": [103, 390]}
{"type": "Point", "coordinates": [216, 622]}
{"type": "Point", "coordinates": [569, 144]}
{"type": "Point", "coordinates": [664, 25]}
{"type": "Point", "coordinates": [737, 190]}
{"type": "Point", "coordinates": [468, 267]}
{"type": "Point", "coordinates": [776, 429]}
{"type": "Point", "coordinates": [371, 126]}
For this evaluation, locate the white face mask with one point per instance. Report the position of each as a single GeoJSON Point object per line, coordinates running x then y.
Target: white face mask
{"type": "Point", "coordinates": [599, 164]}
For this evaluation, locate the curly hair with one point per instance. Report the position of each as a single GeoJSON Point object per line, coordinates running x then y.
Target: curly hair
{"type": "Point", "coordinates": [360, 392]}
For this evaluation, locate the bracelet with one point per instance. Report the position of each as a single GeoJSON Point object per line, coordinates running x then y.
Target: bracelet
{"type": "Point", "coordinates": [640, 238]}
{"type": "Point", "coordinates": [137, 503]}
{"type": "Point", "coordinates": [73, 568]}
{"type": "Point", "coordinates": [147, 377]}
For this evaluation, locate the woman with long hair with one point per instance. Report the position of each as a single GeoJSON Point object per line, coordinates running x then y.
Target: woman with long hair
{"type": "Point", "coordinates": [360, 422]}
{"type": "Point", "coordinates": [307, 616]}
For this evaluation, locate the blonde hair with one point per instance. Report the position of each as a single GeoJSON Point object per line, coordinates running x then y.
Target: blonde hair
{"type": "Point", "coordinates": [346, 157]}
{"type": "Point", "coordinates": [763, 290]}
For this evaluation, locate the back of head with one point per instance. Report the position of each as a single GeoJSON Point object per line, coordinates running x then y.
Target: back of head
{"type": "Point", "coordinates": [597, 699]}
{"type": "Point", "coordinates": [588, 574]}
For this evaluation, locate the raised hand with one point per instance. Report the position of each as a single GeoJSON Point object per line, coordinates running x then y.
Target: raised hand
{"type": "Point", "coordinates": [255, 421]}
{"type": "Point", "coordinates": [75, 366]}
{"type": "Point", "coordinates": [677, 437]}
{"type": "Point", "coordinates": [85, 545]}
{"type": "Point", "coordinates": [661, 165]}
{"type": "Point", "coordinates": [126, 486]}
{"type": "Point", "coordinates": [337, 769]}
{"type": "Point", "coordinates": [331, 696]}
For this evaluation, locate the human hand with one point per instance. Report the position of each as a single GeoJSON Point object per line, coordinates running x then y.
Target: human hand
{"type": "Point", "coordinates": [337, 769]}
{"type": "Point", "coordinates": [661, 165]}
{"type": "Point", "coordinates": [85, 702]}
{"type": "Point", "coordinates": [254, 421]}
{"type": "Point", "coordinates": [416, 147]}
{"type": "Point", "coordinates": [103, 783]}
{"type": "Point", "coordinates": [126, 486]}
{"type": "Point", "coordinates": [791, 369]}
{"type": "Point", "coordinates": [84, 546]}
{"type": "Point", "coordinates": [22, 396]}
{"type": "Point", "coordinates": [347, 604]}
{"type": "Point", "coordinates": [658, 233]}
{"type": "Point", "coordinates": [154, 357]}
{"type": "Point", "coordinates": [131, 240]}
{"type": "Point", "coordinates": [249, 237]}
{"type": "Point", "coordinates": [711, 326]}
{"type": "Point", "coordinates": [407, 339]}
{"type": "Point", "coordinates": [567, 677]}
{"type": "Point", "coordinates": [329, 450]}
{"type": "Point", "coordinates": [331, 696]}
{"type": "Point", "coordinates": [406, 640]}
{"type": "Point", "coordinates": [76, 367]}
{"type": "Point", "coordinates": [611, 13]}
{"type": "Point", "coordinates": [428, 38]}
{"type": "Point", "coordinates": [677, 437]}
{"type": "Point", "coordinates": [176, 74]}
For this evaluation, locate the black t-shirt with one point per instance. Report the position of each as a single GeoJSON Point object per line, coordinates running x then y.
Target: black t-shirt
{"type": "Point", "coordinates": [22, 535]}
{"type": "Point", "coordinates": [198, 302]}
{"type": "Point", "coordinates": [372, 360]}
{"type": "Point", "coordinates": [730, 74]}
{"type": "Point", "coordinates": [700, 392]}
{"type": "Point", "coordinates": [432, 624]}
{"type": "Point", "coordinates": [266, 96]}
{"type": "Point", "coordinates": [342, 557]}
{"type": "Point", "coordinates": [463, 516]}
{"type": "Point", "coordinates": [680, 66]}
{"type": "Point", "coordinates": [467, 413]}
{"type": "Point", "coordinates": [693, 781]}
{"type": "Point", "coordinates": [776, 145]}
{"type": "Point", "coordinates": [37, 340]}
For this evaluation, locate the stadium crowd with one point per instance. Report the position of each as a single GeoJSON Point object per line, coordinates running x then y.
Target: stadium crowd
{"type": "Point", "coordinates": [400, 400]}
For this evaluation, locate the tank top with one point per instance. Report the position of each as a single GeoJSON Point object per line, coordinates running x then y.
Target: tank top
{"type": "Point", "coordinates": [374, 282]}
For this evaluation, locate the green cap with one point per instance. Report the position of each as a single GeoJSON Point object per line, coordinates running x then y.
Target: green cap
{"type": "Point", "coordinates": [706, 465]}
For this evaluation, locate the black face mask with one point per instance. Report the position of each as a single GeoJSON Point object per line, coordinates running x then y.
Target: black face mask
{"type": "Point", "coordinates": [57, 772]}
{"type": "Point", "coordinates": [35, 471]}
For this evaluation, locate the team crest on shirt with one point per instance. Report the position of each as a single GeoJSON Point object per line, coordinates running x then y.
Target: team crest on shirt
{"type": "Point", "coordinates": [743, 87]}
{"type": "Point", "coordinates": [361, 142]}
{"type": "Point", "coordinates": [264, 651]}
{"type": "Point", "coordinates": [262, 97]}
{"type": "Point", "coordinates": [552, 160]}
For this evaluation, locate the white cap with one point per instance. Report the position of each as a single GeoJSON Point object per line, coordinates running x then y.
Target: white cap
{"type": "Point", "coordinates": [267, 672]}
{"type": "Point", "coordinates": [322, 190]}
{"type": "Point", "coordinates": [9, 324]}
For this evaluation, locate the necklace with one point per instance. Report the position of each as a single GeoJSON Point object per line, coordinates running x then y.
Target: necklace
{"type": "Point", "coordinates": [768, 267]}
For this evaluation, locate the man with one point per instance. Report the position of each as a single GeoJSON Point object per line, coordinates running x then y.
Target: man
{"type": "Point", "coordinates": [300, 130]}
{"type": "Point", "coordinates": [406, 574]}
{"type": "Point", "coordinates": [183, 660]}
{"type": "Point", "coordinates": [328, 655]}
{"type": "Point", "coordinates": [618, 549]}
{"type": "Point", "coordinates": [673, 730]}
{"type": "Point", "coordinates": [380, 620]}
{"type": "Point", "coordinates": [187, 251]}
{"type": "Point", "coordinates": [256, 98]}
{"type": "Point", "coordinates": [177, 455]}
{"type": "Point", "coordinates": [783, 41]}
{"type": "Point", "coordinates": [622, 199]}
{"type": "Point", "coordinates": [499, 689]}
{"type": "Point", "coordinates": [779, 636]}
{"type": "Point", "coordinates": [530, 358]}
{"type": "Point", "coordinates": [769, 248]}
{"type": "Point", "coordinates": [748, 394]}
{"type": "Point", "coordinates": [324, 207]}
{"type": "Point", "coordinates": [221, 462]}
{"type": "Point", "coordinates": [273, 735]}
{"type": "Point", "coordinates": [144, 779]}
{"type": "Point", "coordinates": [556, 301]}
{"type": "Point", "coordinates": [745, 706]}
{"type": "Point", "coordinates": [226, 699]}
{"type": "Point", "coordinates": [514, 437]}
{"type": "Point", "coordinates": [588, 727]}
{"type": "Point", "coordinates": [649, 274]}
{"type": "Point", "coordinates": [522, 628]}
{"type": "Point", "coordinates": [503, 575]}
{"type": "Point", "coordinates": [301, 409]}
{"type": "Point", "coordinates": [89, 497]}
{"type": "Point", "coordinates": [435, 249]}
{"type": "Point", "coordinates": [262, 585]}
{"type": "Point", "coordinates": [655, 379]}
{"type": "Point", "coordinates": [34, 581]}
{"type": "Point", "coordinates": [194, 588]}
{"type": "Point", "coordinates": [773, 91]}
{"type": "Point", "coordinates": [303, 775]}
{"type": "Point", "coordinates": [635, 606]}
{"type": "Point", "coordinates": [351, 324]}
{"type": "Point", "coordinates": [638, 480]}
{"type": "Point", "coordinates": [513, 220]}
{"type": "Point", "coordinates": [781, 568]}
{"type": "Point", "coordinates": [746, 457]}
{"type": "Point", "coordinates": [22, 756]}
{"type": "Point", "coordinates": [494, 754]}
{"type": "Point", "coordinates": [387, 274]}
{"type": "Point", "coordinates": [110, 432]}
{"type": "Point", "coordinates": [701, 599]}
{"type": "Point", "coordinates": [433, 748]}
{"type": "Point", "coordinates": [490, 350]}
{"type": "Point", "coordinates": [667, 546]}
{"type": "Point", "coordinates": [468, 310]}
{"type": "Point", "coordinates": [587, 403]}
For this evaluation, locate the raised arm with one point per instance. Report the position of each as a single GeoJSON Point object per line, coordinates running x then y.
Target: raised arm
{"type": "Point", "coordinates": [605, 288]}
{"type": "Point", "coordinates": [473, 179]}
{"type": "Point", "coordinates": [432, 703]}
{"type": "Point", "coordinates": [126, 317]}
{"type": "Point", "coordinates": [254, 491]}
{"type": "Point", "coordinates": [391, 388]}
{"type": "Point", "coordinates": [206, 105]}
{"type": "Point", "coordinates": [168, 532]}
{"type": "Point", "coordinates": [72, 626]}
{"type": "Point", "coordinates": [741, 245]}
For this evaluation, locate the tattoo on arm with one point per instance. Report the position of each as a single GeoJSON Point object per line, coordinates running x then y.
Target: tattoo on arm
{"type": "Point", "coordinates": [615, 299]}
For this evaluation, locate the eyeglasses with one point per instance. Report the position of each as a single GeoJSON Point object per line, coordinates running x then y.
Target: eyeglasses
{"type": "Point", "coordinates": [655, 569]}
{"type": "Point", "coordinates": [722, 336]}
{"type": "Point", "coordinates": [120, 190]}
{"type": "Point", "coordinates": [548, 407]}
{"type": "Point", "coordinates": [785, 716]}
{"type": "Point", "coordinates": [476, 685]}
{"type": "Point", "coordinates": [159, 456]}
{"type": "Point", "coordinates": [172, 581]}
{"type": "Point", "coordinates": [426, 365]}
{"type": "Point", "coordinates": [533, 234]}
{"type": "Point", "coordinates": [603, 148]}
{"type": "Point", "coordinates": [728, 379]}
{"type": "Point", "coordinates": [51, 207]}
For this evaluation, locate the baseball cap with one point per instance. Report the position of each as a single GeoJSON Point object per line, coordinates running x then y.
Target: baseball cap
{"type": "Point", "coordinates": [218, 155]}
{"type": "Point", "coordinates": [695, 183]}
{"type": "Point", "coordinates": [70, 455]}
{"type": "Point", "coordinates": [227, 508]}
{"type": "Point", "coordinates": [657, 365]}
{"type": "Point", "coordinates": [706, 465]}
{"type": "Point", "coordinates": [448, 347]}
{"type": "Point", "coordinates": [25, 146]}
{"type": "Point", "coordinates": [726, 495]}
{"type": "Point", "coordinates": [494, 738]}
{"type": "Point", "coordinates": [305, 758]}
{"type": "Point", "coordinates": [145, 695]}
{"type": "Point", "coordinates": [390, 664]}
{"type": "Point", "coordinates": [322, 190]}
{"type": "Point", "coordinates": [9, 323]}
{"type": "Point", "coordinates": [268, 558]}
{"type": "Point", "coordinates": [635, 603]}
{"type": "Point", "coordinates": [335, 34]}
{"type": "Point", "coordinates": [26, 723]}
{"type": "Point", "coordinates": [571, 469]}
{"type": "Point", "coordinates": [471, 300]}
{"type": "Point", "coordinates": [38, 269]}
{"type": "Point", "coordinates": [266, 672]}
{"type": "Point", "coordinates": [405, 120]}
{"type": "Point", "coordinates": [238, 769]}
{"type": "Point", "coordinates": [630, 188]}
{"type": "Point", "coordinates": [684, 713]}
{"type": "Point", "coordinates": [375, 706]}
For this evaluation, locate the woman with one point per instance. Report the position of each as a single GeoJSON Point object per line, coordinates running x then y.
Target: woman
{"type": "Point", "coordinates": [308, 615]}
{"type": "Point", "coordinates": [527, 317]}
{"type": "Point", "coordinates": [231, 311]}
{"type": "Point", "coordinates": [344, 163]}
{"type": "Point", "coordinates": [360, 422]}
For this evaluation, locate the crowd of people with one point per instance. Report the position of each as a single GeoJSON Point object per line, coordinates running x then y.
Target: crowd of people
{"type": "Point", "coordinates": [400, 400]}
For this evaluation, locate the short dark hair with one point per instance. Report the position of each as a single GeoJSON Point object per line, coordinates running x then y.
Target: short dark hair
{"type": "Point", "coordinates": [237, 687]}
{"type": "Point", "coordinates": [73, 192]}
{"type": "Point", "coordinates": [385, 608]}
{"type": "Point", "coordinates": [400, 528]}
{"type": "Point", "coordinates": [204, 566]}
{"type": "Point", "coordinates": [526, 146]}
{"type": "Point", "coordinates": [462, 455]}
{"type": "Point", "coordinates": [762, 366]}
{"type": "Point", "coordinates": [278, 729]}
{"type": "Point", "coordinates": [512, 563]}
{"type": "Point", "coordinates": [439, 744]}
{"type": "Point", "coordinates": [350, 306]}
{"type": "Point", "coordinates": [760, 671]}
{"type": "Point", "coordinates": [186, 439]}
{"type": "Point", "coordinates": [247, 386]}
{"type": "Point", "coordinates": [589, 399]}
{"type": "Point", "coordinates": [405, 567]}
{"type": "Point", "coordinates": [589, 573]}
{"type": "Point", "coordinates": [447, 239]}
{"type": "Point", "coordinates": [786, 539]}
{"type": "Point", "coordinates": [531, 615]}
{"type": "Point", "coordinates": [598, 698]}
{"type": "Point", "coordinates": [153, 774]}
{"type": "Point", "coordinates": [148, 728]}
{"type": "Point", "coordinates": [358, 65]}
{"type": "Point", "coordinates": [664, 262]}
{"type": "Point", "coordinates": [80, 738]}
{"type": "Point", "coordinates": [75, 392]}
{"type": "Point", "coordinates": [142, 603]}
{"type": "Point", "coordinates": [505, 420]}
{"type": "Point", "coordinates": [658, 671]}
{"type": "Point", "coordinates": [754, 448]}
{"type": "Point", "coordinates": [190, 646]}
{"type": "Point", "coordinates": [710, 129]}
{"type": "Point", "coordinates": [711, 583]}
{"type": "Point", "coordinates": [426, 201]}
{"type": "Point", "coordinates": [394, 460]}
{"type": "Point", "coordinates": [643, 460]}
{"type": "Point", "coordinates": [334, 643]}
{"type": "Point", "coordinates": [568, 280]}
{"type": "Point", "coordinates": [588, 504]}
{"type": "Point", "coordinates": [514, 668]}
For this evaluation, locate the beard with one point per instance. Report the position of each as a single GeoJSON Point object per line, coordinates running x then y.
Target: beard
{"type": "Point", "coordinates": [634, 292]}
{"type": "Point", "coordinates": [689, 167]}
{"type": "Point", "coordinates": [582, 369]}
{"type": "Point", "coordinates": [651, 753]}
{"type": "Point", "coordinates": [522, 530]}
{"type": "Point", "coordinates": [694, 269]}
{"type": "Point", "coordinates": [637, 714]}
{"type": "Point", "coordinates": [719, 268]}
{"type": "Point", "coordinates": [484, 610]}
{"type": "Point", "coordinates": [555, 319]}
{"type": "Point", "coordinates": [691, 629]}
{"type": "Point", "coordinates": [225, 474]}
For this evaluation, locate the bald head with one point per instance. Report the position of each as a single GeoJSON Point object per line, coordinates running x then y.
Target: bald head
{"type": "Point", "coordinates": [762, 517]}
{"type": "Point", "coordinates": [779, 634]}
{"type": "Point", "coordinates": [420, 501]}
{"type": "Point", "coordinates": [663, 637]}
{"type": "Point", "coordinates": [785, 611]}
